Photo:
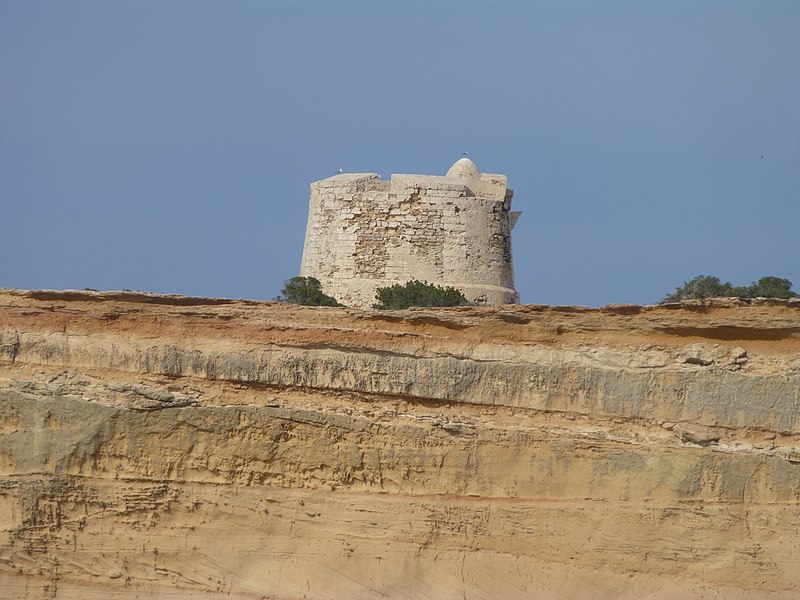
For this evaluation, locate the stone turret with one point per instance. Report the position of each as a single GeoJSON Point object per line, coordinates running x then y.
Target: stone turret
{"type": "Point", "coordinates": [454, 230]}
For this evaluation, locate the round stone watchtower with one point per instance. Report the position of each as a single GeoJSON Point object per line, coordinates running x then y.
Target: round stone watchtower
{"type": "Point", "coordinates": [364, 233]}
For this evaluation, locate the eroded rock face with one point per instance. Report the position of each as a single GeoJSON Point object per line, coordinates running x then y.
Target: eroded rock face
{"type": "Point", "coordinates": [162, 446]}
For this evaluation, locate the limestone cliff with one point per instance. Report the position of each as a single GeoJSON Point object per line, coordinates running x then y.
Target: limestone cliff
{"type": "Point", "coordinates": [173, 447]}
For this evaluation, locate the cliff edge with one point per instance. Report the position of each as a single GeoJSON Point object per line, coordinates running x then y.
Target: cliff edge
{"type": "Point", "coordinates": [173, 447]}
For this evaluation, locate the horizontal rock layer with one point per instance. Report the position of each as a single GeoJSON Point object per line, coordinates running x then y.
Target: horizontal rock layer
{"type": "Point", "coordinates": [173, 447]}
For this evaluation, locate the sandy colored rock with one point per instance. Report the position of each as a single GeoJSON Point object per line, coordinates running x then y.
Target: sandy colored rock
{"type": "Point", "coordinates": [172, 447]}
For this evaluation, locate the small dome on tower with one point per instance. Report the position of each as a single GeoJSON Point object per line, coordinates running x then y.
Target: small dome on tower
{"type": "Point", "coordinates": [464, 168]}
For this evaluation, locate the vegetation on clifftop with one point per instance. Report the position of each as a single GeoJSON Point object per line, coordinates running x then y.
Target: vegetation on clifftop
{"type": "Point", "coordinates": [418, 293]}
{"type": "Point", "coordinates": [306, 291]}
{"type": "Point", "coordinates": [708, 286]}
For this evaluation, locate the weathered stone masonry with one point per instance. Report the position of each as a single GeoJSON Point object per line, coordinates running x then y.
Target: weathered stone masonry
{"type": "Point", "coordinates": [364, 233]}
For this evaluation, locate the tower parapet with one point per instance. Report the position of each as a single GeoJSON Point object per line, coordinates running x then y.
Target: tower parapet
{"type": "Point", "coordinates": [454, 230]}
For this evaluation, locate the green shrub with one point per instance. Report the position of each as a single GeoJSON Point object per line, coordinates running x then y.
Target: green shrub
{"type": "Point", "coordinates": [707, 286]}
{"type": "Point", "coordinates": [770, 287]}
{"type": "Point", "coordinates": [306, 291]}
{"type": "Point", "coordinates": [702, 286]}
{"type": "Point", "coordinates": [418, 293]}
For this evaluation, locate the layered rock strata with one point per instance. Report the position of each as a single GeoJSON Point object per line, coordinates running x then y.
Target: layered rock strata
{"type": "Point", "coordinates": [173, 447]}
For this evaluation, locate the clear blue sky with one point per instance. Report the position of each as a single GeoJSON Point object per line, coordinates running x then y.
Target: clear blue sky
{"type": "Point", "coordinates": [168, 146]}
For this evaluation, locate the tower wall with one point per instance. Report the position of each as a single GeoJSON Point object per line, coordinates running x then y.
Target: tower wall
{"type": "Point", "coordinates": [364, 233]}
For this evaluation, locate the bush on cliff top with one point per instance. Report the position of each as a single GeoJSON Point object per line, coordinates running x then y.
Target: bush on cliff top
{"type": "Point", "coordinates": [707, 286]}
{"type": "Point", "coordinates": [418, 293]}
{"type": "Point", "coordinates": [306, 291]}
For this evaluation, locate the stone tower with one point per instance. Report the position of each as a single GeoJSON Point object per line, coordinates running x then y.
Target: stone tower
{"type": "Point", "coordinates": [364, 233]}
